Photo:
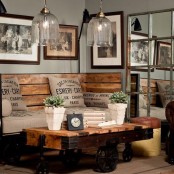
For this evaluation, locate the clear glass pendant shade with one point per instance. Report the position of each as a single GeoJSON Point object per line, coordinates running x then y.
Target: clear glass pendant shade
{"type": "Point", "coordinates": [99, 31]}
{"type": "Point", "coordinates": [45, 29]}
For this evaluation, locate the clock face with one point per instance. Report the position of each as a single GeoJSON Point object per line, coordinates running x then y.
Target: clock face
{"type": "Point", "coordinates": [75, 122]}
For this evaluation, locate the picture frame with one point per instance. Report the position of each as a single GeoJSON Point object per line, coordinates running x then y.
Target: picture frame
{"type": "Point", "coordinates": [110, 57]}
{"type": "Point", "coordinates": [163, 55]}
{"type": "Point", "coordinates": [15, 40]}
{"type": "Point", "coordinates": [67, 48]}
{"type": "Point", "coordinates": [139, 52]}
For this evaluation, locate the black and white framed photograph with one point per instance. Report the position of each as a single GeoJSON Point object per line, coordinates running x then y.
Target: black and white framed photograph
{"type": "Point", "coordinates": [163, 55]}
{"type": "Point", "coordinates": [67, 47]}
{"type": "Point", "coordinates": [15, 40]}
{"type": "Point", "coordinates": [140, 51]}
{"type": "Point", "coordinates": [111, 57]}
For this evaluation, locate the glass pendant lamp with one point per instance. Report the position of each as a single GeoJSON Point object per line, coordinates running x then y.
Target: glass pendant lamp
{"type": "Point", "coordinates": [99, 31]}
{"type": "Point", "coordinates": [45, 28]}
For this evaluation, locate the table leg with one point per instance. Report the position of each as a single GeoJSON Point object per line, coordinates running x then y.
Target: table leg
{"type": "Point", "coordinates": [42, 167]}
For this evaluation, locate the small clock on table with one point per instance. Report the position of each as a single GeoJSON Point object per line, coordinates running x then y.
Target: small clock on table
{"type": "Point", "coordinates": [75, 121]}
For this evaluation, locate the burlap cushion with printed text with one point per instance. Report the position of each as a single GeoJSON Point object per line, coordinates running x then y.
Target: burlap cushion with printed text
{"type": "Point", "coordinates": [11, 91]}
{"type": "Point", "coordinates": [69, 89]}
{"type": "Point", "coordinates": [97, 99]}
{"type": "Point", "coordinates": [164, 89]}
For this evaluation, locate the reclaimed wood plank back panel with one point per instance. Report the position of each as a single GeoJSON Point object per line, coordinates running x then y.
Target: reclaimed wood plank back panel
{"type": "Point", "coordinates": [35, 87]}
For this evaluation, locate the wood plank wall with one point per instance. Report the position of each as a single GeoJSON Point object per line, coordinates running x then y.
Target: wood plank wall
{"type": "Point", "coordinates": [35, 87]}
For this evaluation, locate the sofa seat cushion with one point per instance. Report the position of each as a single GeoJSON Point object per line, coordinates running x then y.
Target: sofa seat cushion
{"type": "Point", "coordinates": [19, 120]}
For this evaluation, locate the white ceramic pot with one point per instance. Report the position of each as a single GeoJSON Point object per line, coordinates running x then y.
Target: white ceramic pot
{"type": "Point", "coordinates": [54, 117]}
{"type": "Point", "coordinates": [117, 112]}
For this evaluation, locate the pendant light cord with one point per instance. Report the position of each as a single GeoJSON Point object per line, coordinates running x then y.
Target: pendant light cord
{"type": "Point", "coordinates": [101, 14]}
{"type": "Point", "coordinates": [101, 4]}
{"type": "Point", "coordinates": [45, 3]}
{"type": "Point", "coordinates": [45, 10]}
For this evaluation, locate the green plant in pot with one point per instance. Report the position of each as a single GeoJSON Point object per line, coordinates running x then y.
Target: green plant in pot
{"type": "Point", "coordinates": [119, 97]}
{"type": "Point", "coordinates": [54, 101]}
{"type": "Point", "coordinates": [54, 109]}
{"type": "Point", "coordinates": [117, 106]}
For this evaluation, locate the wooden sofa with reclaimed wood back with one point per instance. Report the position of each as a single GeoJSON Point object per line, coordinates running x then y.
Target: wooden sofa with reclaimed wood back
{"type": "Point", "coordinates": [35, 87]}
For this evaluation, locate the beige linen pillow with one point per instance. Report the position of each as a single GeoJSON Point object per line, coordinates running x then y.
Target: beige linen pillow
{"type": "Point", "coordinates": [142, 100]}
{"type": "Point", "coordinates": [11, 91]}
{"type": "Point", "coordinates": [6, 107]}
{"type": "Point", "coordinates": [164, 90]}
{"type": "Point", "coordinates": [97, 99]}
{"type": "Point", "coordinates": [69, 89]}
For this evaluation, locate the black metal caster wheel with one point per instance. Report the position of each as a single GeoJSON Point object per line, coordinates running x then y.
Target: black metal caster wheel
{"type": "Point", "coordinates": [70, 157]}
{"type": "Point", "coordinates": [107, 158]}
{"type": "Point", "coordinates": [42, 168]}
{"type": "Point", "coordinates": [171, 160]}
{"type": "Point", "coordinates": [127, 154]}
{"type": "Point", "coordinates": [12, 153]}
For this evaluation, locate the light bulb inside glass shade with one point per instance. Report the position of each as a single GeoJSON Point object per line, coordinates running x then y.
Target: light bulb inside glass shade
{"type": "Point", "coordinates": [99, 32]}
{"type": "Point", "coordinates": [45, 30]}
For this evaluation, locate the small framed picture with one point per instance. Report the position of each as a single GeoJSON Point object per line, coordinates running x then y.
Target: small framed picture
{"type": "Point", "coordinates": [15, 40]}
{"type": "Point", "coordinates": [67, 46]}
{"type": "Point", "coordinates": [140, 52]}
{"type": "Point", "coordinates": [163, 55]}
{"type": "Point", "coordinates": [111, 57]}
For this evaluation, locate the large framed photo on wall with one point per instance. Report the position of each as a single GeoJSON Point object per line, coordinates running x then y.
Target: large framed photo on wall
{"type": "Point", "coordinates": [111, 57]}
{"type": "Point", "coordinates": [15, 40]}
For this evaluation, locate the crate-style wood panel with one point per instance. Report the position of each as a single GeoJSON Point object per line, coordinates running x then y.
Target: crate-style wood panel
{"type": "Point", "coordinates": [155, 98]}
{"type": "Point", "coordinates": [35, 87]}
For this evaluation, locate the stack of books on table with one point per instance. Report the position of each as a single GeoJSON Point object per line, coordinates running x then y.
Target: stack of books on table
{"type": "Point", "coordinates": [93, 118]}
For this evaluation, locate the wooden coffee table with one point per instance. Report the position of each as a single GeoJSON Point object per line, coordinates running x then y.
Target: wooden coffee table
{"type": "Point", "coordinates": [71, 143]}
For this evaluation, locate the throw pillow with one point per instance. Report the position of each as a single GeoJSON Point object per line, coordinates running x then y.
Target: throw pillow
{"type": "Point", "coordinates": [6, 107]}
{"type": "Point", "coordinates": [69, 89]}
{"type": "Point", "coordinates": [97, 99]}
{"type": "Point", "coordinates": [11, 91]}
{"type": "Point", "coordinates": [142, 100]}
{"type": "Point", "coordinates": [164, 90]}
